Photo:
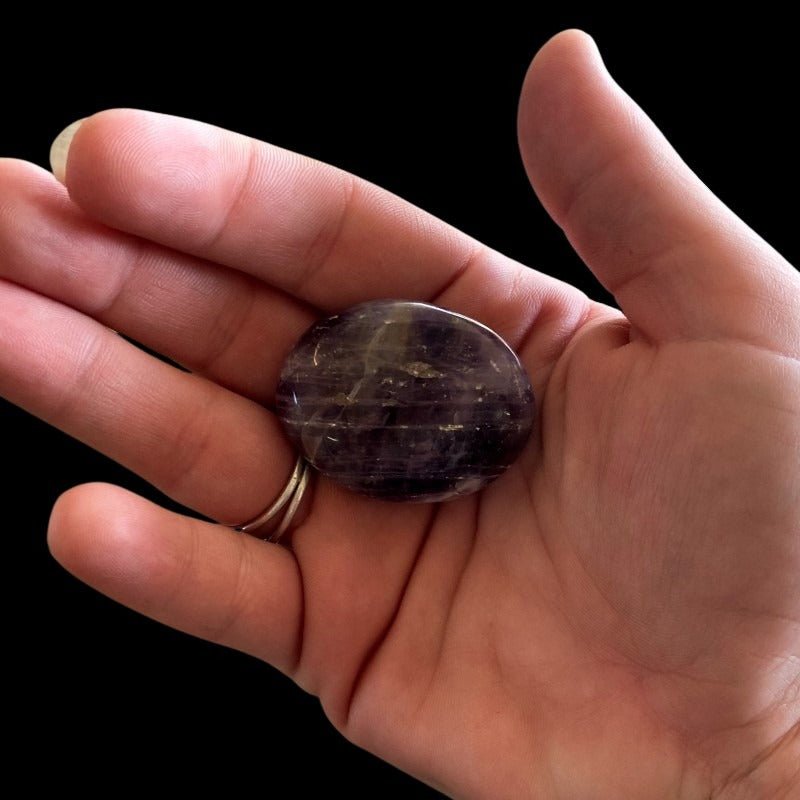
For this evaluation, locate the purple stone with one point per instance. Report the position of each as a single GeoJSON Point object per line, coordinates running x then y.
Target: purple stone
{"type": "Point", "coordinates": [405, 401]}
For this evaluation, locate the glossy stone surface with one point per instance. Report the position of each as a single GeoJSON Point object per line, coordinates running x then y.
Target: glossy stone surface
{"type": "Point", "coordinates": [405, 401]}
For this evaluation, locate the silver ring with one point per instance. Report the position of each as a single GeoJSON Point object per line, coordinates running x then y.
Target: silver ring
{"type": "Point", "coordinates": [292, 495]}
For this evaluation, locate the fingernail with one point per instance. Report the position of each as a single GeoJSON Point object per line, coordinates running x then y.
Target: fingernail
{"type": "Point", "coordinates": [59, 150]}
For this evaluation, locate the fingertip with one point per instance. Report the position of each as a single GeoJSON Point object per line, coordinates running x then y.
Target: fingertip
{"type": "Point", "coordinates": [22, 185]}
{"type": "Point", "coordinates": [97, 532]}
{"type": "Point", "coordinates": [566, 49]}
{"type": "Point", "coordinates": [85, 135]}
{"type": "Point", "coordinates": [568, 59]}
{"type": "Point", "coordinates": [66, 512]}
{"type": "Point", "coordinates": [573, 38]}
{"type": "Point", "coordinates": [19, 170]}
{"type": "Point", "coordinates": [129, 168]}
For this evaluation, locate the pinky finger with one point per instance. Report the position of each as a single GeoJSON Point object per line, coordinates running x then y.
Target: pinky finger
{"type": "Point", "coordinates": [192, 575]}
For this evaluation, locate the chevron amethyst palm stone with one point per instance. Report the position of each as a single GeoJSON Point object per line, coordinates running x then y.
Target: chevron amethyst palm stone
{"type": "Point", "coordinates": [405, 401]}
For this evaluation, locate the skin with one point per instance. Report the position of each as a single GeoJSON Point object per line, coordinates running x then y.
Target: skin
{"type": "Point", "coordinates": [617, 616]}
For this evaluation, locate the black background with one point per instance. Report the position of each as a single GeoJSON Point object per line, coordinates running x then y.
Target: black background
{"type": "Point", "coordinates": [103, 698]}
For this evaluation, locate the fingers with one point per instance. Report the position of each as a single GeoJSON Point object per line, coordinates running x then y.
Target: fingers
{"type": "Point", "coordinates": [678, 261]}
{"type": "Point", "coordinates": [222, 586]}
{"type": "Point", "coordinates": [216, 321]}
{"type": "Point", "coordinates": [305, 227]}
{"type": "Point", "coordinates": [206, 447]}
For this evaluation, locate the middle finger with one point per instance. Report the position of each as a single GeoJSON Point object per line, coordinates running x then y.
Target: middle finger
{"type": "Point", "coordinates": [213, 320]}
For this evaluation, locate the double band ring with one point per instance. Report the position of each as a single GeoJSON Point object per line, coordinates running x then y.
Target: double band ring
{"type": "Point", "coordinates": [289, 498]}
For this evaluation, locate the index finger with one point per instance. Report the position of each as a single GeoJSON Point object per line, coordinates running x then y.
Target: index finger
{"type": "Point", "coordinates": [306, 227]}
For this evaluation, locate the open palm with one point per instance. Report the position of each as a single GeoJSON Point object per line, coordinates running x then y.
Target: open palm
{"type": "Point", "coordinates": [617, 616]}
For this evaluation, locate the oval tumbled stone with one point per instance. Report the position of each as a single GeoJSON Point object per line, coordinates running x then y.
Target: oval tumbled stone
{"type": "Point", "coordinates": [405, 401]}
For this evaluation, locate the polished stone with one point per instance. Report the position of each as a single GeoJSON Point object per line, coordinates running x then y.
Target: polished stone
{"type": "Point", "coordinates": [405, 401]}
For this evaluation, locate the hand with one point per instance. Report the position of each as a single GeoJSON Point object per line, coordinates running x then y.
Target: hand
{"type": "Point", "coordinates": [617, 616]}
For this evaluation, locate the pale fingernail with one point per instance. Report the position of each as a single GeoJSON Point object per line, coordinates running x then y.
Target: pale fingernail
{"type": "Point", "coordinates": [59, 150]}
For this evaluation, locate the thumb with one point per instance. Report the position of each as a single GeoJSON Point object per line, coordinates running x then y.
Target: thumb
{"type": "Point", "coordinates": [678, 261]}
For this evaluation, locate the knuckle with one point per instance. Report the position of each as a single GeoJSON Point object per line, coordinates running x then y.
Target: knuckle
{"type": "Point", "coordinates": [324, 243]}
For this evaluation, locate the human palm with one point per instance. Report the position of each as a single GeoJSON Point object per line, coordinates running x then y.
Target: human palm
{"type": "Point", "coordinates": [617, 616]}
